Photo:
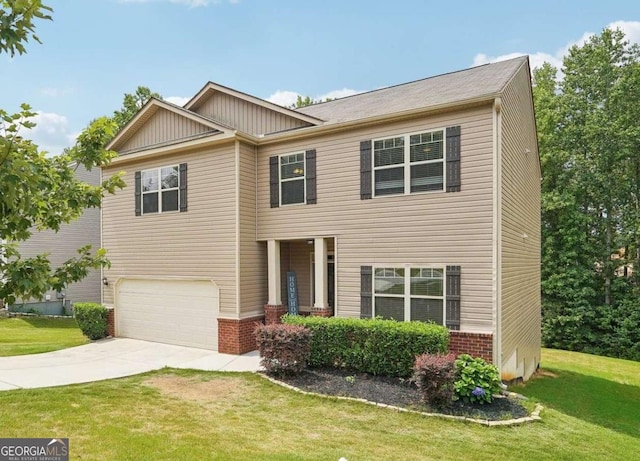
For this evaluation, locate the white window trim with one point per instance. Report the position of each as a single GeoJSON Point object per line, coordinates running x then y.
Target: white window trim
{"type": "Point", "coordinates": [159, 191]}
{"type": "Point", "coordinates": [407, 288]}
{"type": "Point", "coordinates": [407, 163]}
{"type": "Point", "coordinates": [303, 178]}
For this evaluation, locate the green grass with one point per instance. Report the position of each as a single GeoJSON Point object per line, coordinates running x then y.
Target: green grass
{"type": "Point", "coordinates": [187, 415]}
{"type": "Point", "coordinates": [32, 335]}
{"type": "Point", "coordinates": [601, 390]}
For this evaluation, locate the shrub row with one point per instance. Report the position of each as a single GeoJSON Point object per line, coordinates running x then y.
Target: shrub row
{"type": "Point", "coordinates": [442, 379]}
{"type": "Point", "coordinates": [375, 346]}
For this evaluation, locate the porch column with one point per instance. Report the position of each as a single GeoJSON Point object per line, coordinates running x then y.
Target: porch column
{"type": "Point", "coordinates": [321, 280]}
{"type": "Point", "coordinates": [273, 268]}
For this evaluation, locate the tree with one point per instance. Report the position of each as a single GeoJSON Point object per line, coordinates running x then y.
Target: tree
{"type": "Point", "coordinates": [304, 101]}
{"type": "Point", "coordinates": [131, 104]}
{"type": "Point", "coordinates": [589, 146]}
{"type": "Point", "coordinates": [38, 191]}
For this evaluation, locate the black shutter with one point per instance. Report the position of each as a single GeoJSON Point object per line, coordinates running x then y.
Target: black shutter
{"type": "Point", "coordinates": [183, 187]}
{"type": "Point", "coordinates": [365, 170]}
{"type": "Point", "coordinates": [366, 288]}
{"type": "Point", "coordinates": [310, 159]}
{"type": "Point", "coordinates": [453, 297]}
{"type": "Point", "coordinates": [273, 180]}
{"type": "Point", "coordinates": [453, 159]}
{"type": "Point", "coordinates": [138, 192]}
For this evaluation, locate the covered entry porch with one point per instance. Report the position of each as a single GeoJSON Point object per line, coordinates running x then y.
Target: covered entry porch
{"type": "Point", "coordinates": [302, 269]}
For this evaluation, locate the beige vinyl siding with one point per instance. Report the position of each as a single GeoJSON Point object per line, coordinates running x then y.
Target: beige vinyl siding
{"type": "Point", "coordinates": [245, 116]}
{"type": "Point", "coordinates": [253, 254]}
{"type": "Point", "coordinates": [520, 217]}
{"type": "Point", "coordinates": [164, 126]}
{"type": "Point", "coordinates": [295, 256]}
{"type": "Point", "coordinates": [435, 228]}
{"type": "Point", "coordinates": [62, 245]}
{"type": "Point", "coordinates": [200, 242]}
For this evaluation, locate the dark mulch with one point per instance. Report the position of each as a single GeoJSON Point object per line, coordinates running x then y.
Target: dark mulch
{"type": "Point", "coordinates": [396, 392]}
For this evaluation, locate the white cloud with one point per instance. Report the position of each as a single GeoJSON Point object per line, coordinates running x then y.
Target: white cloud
{"type": "Point", "coordinates": [283, 98]}
{"type": "Point", "coordinates": [288, 98]}
{"type": "Point", "coordinates": [189, 3]}
{"type": "Point", "coordinates": [56, 92]}
{"type": "Point", "coordinates": [51, 132]}
{"type": "Point", "coordinates": [335, 94]}
{"type": "Point", "coordinates": [630, 28]}
{"type": "Point", "coordinates": [177, 100]}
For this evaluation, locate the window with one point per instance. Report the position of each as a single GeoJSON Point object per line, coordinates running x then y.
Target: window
{"type": "Point", "coordinates": [409, 163]}
{"type": "Point", "coordinates": [415, 293]}
{"type": "Point", "coordinates": [292, 178]}
{"type": "Point", "coordinates": [160, 190]}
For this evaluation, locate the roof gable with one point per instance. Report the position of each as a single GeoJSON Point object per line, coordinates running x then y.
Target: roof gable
{"type": "Point", "coordinates": [161, 122]}
{"type": "Point", "coordinates": [245, 112]}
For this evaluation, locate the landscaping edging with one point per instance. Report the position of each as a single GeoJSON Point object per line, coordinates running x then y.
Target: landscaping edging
{"type": "Point", "coordinates": [29, 314]}
{"type": "Point", "coordinates": [535, 415]}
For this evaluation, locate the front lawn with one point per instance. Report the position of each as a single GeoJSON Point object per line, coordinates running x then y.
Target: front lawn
{"type": "Point", "coordinates": [186, 415]}
{"type": "Point", "coordinates": [32, 335]}
{"type": "Point", "coordinates": [601, 390]}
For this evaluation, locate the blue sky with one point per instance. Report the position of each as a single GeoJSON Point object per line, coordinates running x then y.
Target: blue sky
{"type": "Point", "coordinates": [94, 51]}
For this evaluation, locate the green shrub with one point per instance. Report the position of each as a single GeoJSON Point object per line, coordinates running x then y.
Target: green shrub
{"type": "Point", "coordinates": [434, 375]}
{"type": "Point", "coordinates": [92, 319]}
{"type": "Point", "coordinates": [284, 348]}
{"type": "Point", "coordinates": [476, 380]}
{"type": "Point", "coordinates": [376, 346]}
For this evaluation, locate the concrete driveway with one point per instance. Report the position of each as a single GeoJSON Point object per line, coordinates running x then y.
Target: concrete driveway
{"type": "Point", "coordinates": [112, 358]}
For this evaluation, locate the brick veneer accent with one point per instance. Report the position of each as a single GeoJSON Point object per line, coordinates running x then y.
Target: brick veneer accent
{"type": "Point", "coordinates": [273, 312]}
{"type": "Point", "coordinates": [237, 336]}
{"type": "Point", "coordinates": [475, 344]}
{"type": "Point", "coordinates": [322, 311]}
{"type": "Point", "coordinates": [111, 322]}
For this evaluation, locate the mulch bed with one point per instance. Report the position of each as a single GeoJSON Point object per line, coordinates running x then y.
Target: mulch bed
{"type": "Point", "coordinates": [396, 392]}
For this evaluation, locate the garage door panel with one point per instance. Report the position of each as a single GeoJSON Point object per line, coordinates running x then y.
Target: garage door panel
{"type": "Point", "coordinates": [182, 312]}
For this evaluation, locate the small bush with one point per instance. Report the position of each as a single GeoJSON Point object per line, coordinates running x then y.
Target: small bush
{"type": "Point", "coordinates": [476, 380]}
{"type": "Point", "coordinates": [375, 346]}
{"type": "Point", "coordinates": [92, 319]}
{"type": "Point", "coordinates": [434, 375]}
{"type": "Point", "coordinates": [284, 348]}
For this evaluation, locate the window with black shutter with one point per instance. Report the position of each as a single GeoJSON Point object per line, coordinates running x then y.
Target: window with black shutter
{"type": "Point", "coordinates": [161, 190]}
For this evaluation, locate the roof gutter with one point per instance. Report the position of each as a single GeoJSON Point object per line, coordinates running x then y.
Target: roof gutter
{"type": "Point", "coordinates": [397, 116]}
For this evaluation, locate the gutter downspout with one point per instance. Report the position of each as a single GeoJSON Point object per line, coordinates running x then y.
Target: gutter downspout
{"type": "Point", "coordinates": [497, 233]}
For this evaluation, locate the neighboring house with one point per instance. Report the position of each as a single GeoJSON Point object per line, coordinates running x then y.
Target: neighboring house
{"type": "Point", "coordinates": [63, 245]}
{"type": "Point", "coordinates": [417, 202]}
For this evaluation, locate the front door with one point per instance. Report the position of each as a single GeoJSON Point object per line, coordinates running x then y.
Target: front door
{"type": "Point", "coordinates": [331, 282]}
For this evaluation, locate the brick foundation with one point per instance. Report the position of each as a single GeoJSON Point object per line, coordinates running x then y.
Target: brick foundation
{"type": "Point", "coordinates": [272, 313]}
{"type": "Point", "coordinates": [111, 322]}
{"type": "Point", "coordinates": [322, 311]}
{"type": "Point", "coordinates": [237, 336]}
{"type": "Point", "coordinates": [475, 344]}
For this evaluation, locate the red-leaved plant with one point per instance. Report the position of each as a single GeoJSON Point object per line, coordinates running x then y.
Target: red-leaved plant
{"type": "Point", "coordinates": [434, 374]}
{"type": "Point", "coordinates": [284, 349]}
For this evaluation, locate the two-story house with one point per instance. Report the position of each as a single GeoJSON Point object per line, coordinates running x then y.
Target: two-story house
{"type": "Point", "coordinates": [414, 202]}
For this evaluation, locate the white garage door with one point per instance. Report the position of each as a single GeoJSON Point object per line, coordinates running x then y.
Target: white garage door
{"type": "Point", "coordinates": [182, 312]}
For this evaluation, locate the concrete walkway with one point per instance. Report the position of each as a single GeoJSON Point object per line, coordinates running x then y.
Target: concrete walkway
{"type": "Point", "coordinates": [112, 358]}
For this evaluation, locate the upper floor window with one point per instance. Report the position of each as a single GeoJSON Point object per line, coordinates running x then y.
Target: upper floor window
{"type": "Point", "coordinates": [160, 190]}
{"type": "Point", "coordinates": [409, 163]}
{"type": "Point", "coordinates": [292, 178]}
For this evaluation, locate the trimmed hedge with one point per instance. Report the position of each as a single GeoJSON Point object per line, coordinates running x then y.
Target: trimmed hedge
{"type": "Point", "coordinates": [375, 346]}
{"type": "Point", "coordinates": [92, 319]}
{"type": "Point", "coordinates": [284, 348]}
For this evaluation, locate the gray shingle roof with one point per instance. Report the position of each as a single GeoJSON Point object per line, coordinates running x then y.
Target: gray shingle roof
{"type": "Point", "coordinates": [460, 86]}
